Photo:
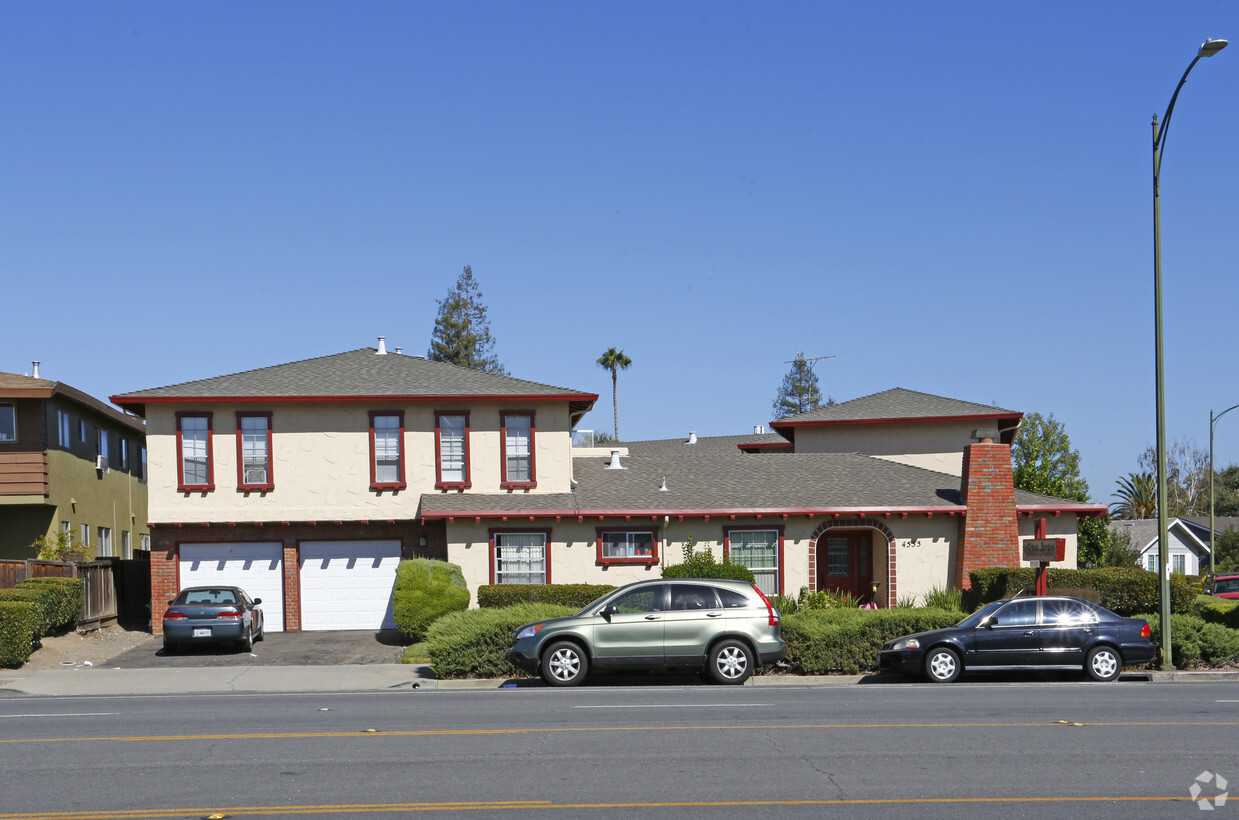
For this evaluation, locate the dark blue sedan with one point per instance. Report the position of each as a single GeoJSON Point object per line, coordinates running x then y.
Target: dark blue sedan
{"type": "Point", "coordinates": [1025, 633]}
{"type": "Point", "coordinates": [212, 615]}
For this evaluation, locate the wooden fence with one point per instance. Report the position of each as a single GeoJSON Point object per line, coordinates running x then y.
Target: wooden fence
{"type": "Point", "coordinates": [99, 584]}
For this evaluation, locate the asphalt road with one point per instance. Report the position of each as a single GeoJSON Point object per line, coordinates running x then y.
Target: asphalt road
{"type": "Point", "coordinates": [896, 750]}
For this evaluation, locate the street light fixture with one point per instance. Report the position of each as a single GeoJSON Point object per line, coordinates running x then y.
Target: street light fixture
{"type": "Point", "coordinates": [1212, 421]}
{"type": "Point", "coordinates": [1208, 49]}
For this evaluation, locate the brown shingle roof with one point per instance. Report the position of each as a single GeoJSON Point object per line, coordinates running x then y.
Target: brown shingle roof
{"type": "Point", "coordinates": [898, 403]}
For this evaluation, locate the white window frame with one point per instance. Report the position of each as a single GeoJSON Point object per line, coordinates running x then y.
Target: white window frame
{"type": "Point", "coordinates": [105, 541]}
{"type": "Point", "coordinates": [64, 432]}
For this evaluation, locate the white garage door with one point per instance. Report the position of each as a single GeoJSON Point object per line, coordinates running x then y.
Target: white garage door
{"type": "Point", "coordinates": [256, 568]}
{"type": "Point", "coordinates": [348, 584]}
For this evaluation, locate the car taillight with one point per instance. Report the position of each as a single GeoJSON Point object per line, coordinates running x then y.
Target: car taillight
{"type": "Point", "coordinates": [230, 614]}
{"type": "Point", "coordinates": [774, 615]}
{"type": "Point", "coordinates": [174, 616]}
{"type": "Point", "coordinates": [1145, 632]}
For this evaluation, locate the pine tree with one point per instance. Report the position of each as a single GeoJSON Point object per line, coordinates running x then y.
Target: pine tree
{"type": "Point", "coordinates": [462, 331]}
{"type": "Point", "coordinates": [799, 392]}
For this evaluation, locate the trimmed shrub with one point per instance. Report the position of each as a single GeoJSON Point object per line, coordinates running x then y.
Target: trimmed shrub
{"type": "Point", "coordinates": [61, 599]}
{"type": "Point", "coordinates": [471, 644]}
{"type": "Point", "coordinates": [425, 591]}
{"type": "Point", "coordinates": [494, 596]}
{"type": "Point", "coordinates": [702, 565]}
{"type": "Point", "coordinates": [1196, 642]}
{"type": "Point", "coordinates": [35, 598]}
{"type": "Point", "coordinates": [846, 641]}
{"type": "Point", "coordinates": [17, 625]}
{"type": "Point", "coordinates": [1218, 611]}
{"type": "Point", "coordinates": [1124, 590]}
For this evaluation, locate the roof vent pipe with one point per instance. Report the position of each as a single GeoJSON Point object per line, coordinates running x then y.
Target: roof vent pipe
{"type": "Point", "coordinates": [382, 351]}
{"type": "Point", "coordinates": [399, 351]}
{"type": "Point", "coordinates": [692, 437]}
{"type": "Point", "coordinates": [663, 488]}
{"type": "Point", "coordinates": [615, 461]}
{"type": "Point", "coordinates": [36, 369]}
{"type": "Point", "coordinates": [759, 429]}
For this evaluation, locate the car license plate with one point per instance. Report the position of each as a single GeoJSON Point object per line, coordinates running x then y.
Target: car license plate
{"type": "Point", "coordinates": [203, 632]}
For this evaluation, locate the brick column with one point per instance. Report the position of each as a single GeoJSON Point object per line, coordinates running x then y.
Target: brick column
{"type": "Point", "coordinates": [988, 533]}
{"type": "Point", "coordinates": [292, 587]}
{"type": "Point", "coordinates": [165, 577]}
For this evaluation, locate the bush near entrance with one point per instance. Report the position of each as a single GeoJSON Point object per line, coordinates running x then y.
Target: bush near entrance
{"type": "Point", "coordinates": [426, 590]}
{"type": "Point", "coordinates": [846, 641]}
{"type": "Point", "coordinates": [471, 644]}
{"type": "Point", "coordinates": [1124, 590]}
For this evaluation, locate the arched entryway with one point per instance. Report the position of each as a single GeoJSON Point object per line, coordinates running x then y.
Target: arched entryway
{"type": "Point", "coordinates": [848, 555]}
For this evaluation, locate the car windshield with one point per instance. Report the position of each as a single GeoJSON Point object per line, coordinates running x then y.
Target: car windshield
{"type": "Point", "coordinates": [975, 618]}
{"type": "Point", "coordinates": [1226, 585]}
{"type": "Point", "coordinates": [207, 597]}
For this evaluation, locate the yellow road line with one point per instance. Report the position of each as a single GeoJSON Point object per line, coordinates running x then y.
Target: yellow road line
{"type": "Point", "coordinates": [245, 811]}
{"type": "Point", "coordinates": [524, 730]}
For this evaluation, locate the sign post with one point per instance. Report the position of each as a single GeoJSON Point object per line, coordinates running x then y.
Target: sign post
{"type": "Point", "coordinates": [1042, 551]}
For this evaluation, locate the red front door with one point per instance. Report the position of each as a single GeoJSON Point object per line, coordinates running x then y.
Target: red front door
{"type": "Point", "coordinates": [845, 563]}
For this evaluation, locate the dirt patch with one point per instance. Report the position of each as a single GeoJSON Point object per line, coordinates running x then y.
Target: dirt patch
{"type": "Point", "coordinates": [72, 650]}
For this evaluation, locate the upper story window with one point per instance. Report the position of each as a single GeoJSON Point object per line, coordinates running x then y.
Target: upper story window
{"type": "Point", "coordinates": [386, 450]}
{"type": "Point", "coordinates": [254, 452]}
{"type": "Point", "coordinates": [81, 430]}
{"type": "Point", "coordinates": [8, 423]}
{"type": "Point", "coordinates": [123, 449]}
{"type": "Point", "coordinates": [517, 455]}
{"type": "Point", "coordinates": [195, 467]}
{"type": "Point", "coordinates": [452, 450]}
{"type": "Point", "coordinates": [101, 442]}
{"type": "Point", "coordinates": [626, 546]}
{"type": "Point", "coordinates": [64, 436]}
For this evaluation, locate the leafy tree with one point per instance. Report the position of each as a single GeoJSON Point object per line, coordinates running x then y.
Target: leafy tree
{"type": "Point", "coordinates": [1137, 497]}
{"type": "Point", "coordinates": [1225, 492]}
{"type": "Point", "coordinates": [1226, 551]}
{"type": "Point", "coordinates": [61, 546]}
{"type": "Point", "coordinates": [1043, 460]}
{"type": "Point", "coordinates": [614, 360]}
{"type": "Point", "coordinates": [1116, 549]}
{"type": "Point", "coordinates": [1187, 478]}
{"type": "Point", "coordinates": [799, 392]}
{"type": "Point", "coordinates": [462, 331]}
{"type": "Point", "coordinates": [602, 437]}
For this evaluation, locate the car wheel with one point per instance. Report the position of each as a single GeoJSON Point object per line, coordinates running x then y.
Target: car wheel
{"type": "Point", "coordinates": [942, 665]}
{"type": "Point", "coordinates": [1103, 663]}
{"type": "Point", "coordinates": [247, 641]}
{"type": "Point", "coordinates": [564, 664]}
{"type": "Point", "coordinates": [731, 662]}
{"type": "Point", "coordinates": [169, 648]}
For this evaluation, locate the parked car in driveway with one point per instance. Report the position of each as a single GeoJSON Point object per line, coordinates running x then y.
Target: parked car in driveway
{"type": "Point", "coordinates": [1025, 633]}
{"type": "Point", "coordinates": [212, 615]}
{"type": "Point", "coordinates": [725, 628]}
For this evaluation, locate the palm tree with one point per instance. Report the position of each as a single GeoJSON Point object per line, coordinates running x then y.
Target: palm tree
{"type": "Point", "coordinates": [1137, 497]}
{"type": "Point", "coordinates": [614, 360]}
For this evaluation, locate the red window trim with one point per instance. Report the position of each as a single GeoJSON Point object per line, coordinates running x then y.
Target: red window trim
{"type": "Point", "coordinates": [646, 560]}
{"type": "Point", "coordinates": [490, 539]}
{"type": "Point", "coordinates": [375, 484]}
{"type": "Point", "coordinates": [503, 451]}
{"type": "Point", "coordinates": [180, 453]}
{"type": "Point", "coordinates": [440, 484]}
{"type": "Point", "coordinates": [270, 483]}
{"type": "Point", "coordinates": [727, 531]}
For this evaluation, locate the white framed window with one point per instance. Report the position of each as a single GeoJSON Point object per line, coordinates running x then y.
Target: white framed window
{"type": "Point", "coordinates": [8, 423]}
{"type": "Point", "coordinates": [1178, 564]}
{"type": "Point", "coordinates": [66, 527]}
{"type": "Point", "coordinates": [145, 540]}
{"type": "Point", "coordinates": [761, 551]}
{"type": "Point", "coordinates": [452, 445]}
{"type": "Point", "coordinates": [64, 436]}
{"type": "Point", "coordinates": [520, 558]}
{"type": "Point", "coordinates": [85, 531]}
{"type": "Point", "coordinates": [105, 541]}
{"type": "Point", "coordinates": [125, 547]}
{"type": "Point", "coordinates": [1151, 563]}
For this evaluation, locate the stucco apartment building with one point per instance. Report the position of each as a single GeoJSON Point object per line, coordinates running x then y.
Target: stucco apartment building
{"type": "Point", "coordinates": [307, 482]}
{"type": "Point", "coordinates": [68, 463]}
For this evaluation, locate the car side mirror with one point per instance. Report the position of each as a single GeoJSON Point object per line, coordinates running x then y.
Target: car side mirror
{"type": "Point", "coordinates": [171, 602]}
{"type": "Point", "coordinates": [257, 601]}
{"type": "Point", "coordinates": [990, 623]}
{"type": "Point", "coordinates": [608, 611]}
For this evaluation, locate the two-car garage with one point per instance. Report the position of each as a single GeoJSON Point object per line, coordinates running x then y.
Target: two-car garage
{"type": "Point", "coordinates": [343, 584]}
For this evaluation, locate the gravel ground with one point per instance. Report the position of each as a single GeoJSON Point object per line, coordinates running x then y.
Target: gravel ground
{"type": "Point", "coordinates": [90, 649]}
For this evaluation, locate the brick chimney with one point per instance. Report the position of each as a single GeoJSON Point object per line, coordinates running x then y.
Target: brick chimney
{"type": "Point", "coordinates": [988, 533]}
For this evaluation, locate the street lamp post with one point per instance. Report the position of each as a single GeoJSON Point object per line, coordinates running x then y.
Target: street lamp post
{"type": "Point", "coordinates": [1208, 49]}
{"type": "Point", "coordinates": [1212, 421]}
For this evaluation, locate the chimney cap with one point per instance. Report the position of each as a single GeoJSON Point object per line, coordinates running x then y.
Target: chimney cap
{"type": "Point", "coordinates": [382, 351]}
{"type": "Point", "coordinates": [985, 435]}
{"type": "Point", "coordinates": [615, 462]}
{"type": "Point", "coordinates": [692, 437]}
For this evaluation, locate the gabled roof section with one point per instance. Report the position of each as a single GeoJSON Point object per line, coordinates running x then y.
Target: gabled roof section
{"type": "Point", "coordinates": [358, 375]}
{"type": "Point", "coordinates": [1143, 532]}
{"type": "Point", "coordinates": [902, 406]}
{"type": "Point", "coordinates": [717, 444]}
{"type": "Point", "coordinates": [14, 386]}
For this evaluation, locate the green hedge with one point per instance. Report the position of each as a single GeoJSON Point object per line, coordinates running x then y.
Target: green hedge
{"type": "Point", "coordinates": [1195, 641]}
{"type": "Point", "coordinates": [709, 569]}
{"type": "Point", "coordinates": [18, 621]}
{"type": "Point", "coordinates": [61, 599]}
{"type": "Point", "coordinates": [1224, 611]}
{"type": "Point", "coordinates": [471, 644]}
{"type": "Point", "coordinates": [846, 641]}
{"type": "Point", "coordinates": [425, 591]}
{"type": "Point", "coordinates": [494, 596]}
{"type": "Point", "coordinates": [42, 623]}
{"type": "Point", "coordinates": [1124, 590]}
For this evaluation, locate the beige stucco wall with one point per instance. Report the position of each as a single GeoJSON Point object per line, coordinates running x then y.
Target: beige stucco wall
{"type": "Point", "coordinates": [1061, 526]}
{"type": "Point", "coordinates": [924, 555]}
{"type": "Point", "coordinates": [936, 446]}
{"type": "Point", "coordinates": [321, 461]}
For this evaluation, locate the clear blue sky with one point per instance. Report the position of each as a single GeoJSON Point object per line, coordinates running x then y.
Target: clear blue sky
{"type": "Point", "coordinates": [948, 197]}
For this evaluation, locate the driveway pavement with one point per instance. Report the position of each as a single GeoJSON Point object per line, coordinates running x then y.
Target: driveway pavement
{"type": "Point", "coordinates": [275, 649]}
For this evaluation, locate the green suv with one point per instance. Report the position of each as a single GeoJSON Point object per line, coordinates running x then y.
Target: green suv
{"type": "Point", "coordinates": [723, 627]}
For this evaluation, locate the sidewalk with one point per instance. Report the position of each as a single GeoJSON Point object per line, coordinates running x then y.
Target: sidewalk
{"type": "Point", "coordinates": [105, 681]}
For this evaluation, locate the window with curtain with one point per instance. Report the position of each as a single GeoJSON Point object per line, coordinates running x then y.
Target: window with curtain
{"type": "Point", "coordinates": [520, 558]}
